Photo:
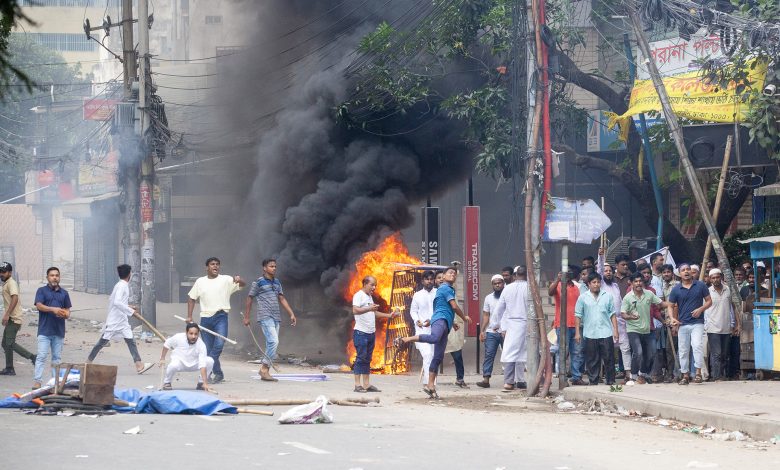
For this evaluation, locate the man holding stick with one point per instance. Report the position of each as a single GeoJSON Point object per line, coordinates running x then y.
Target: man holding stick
{"type": "Point", "coordinates": [267, 292]}
{"type": "Point", "coordinates": [213, 291]}
{"type": "Point", "coordinates": [117, 322]}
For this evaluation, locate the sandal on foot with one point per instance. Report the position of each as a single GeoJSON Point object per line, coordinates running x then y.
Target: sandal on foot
{"type": "Point", "coordinates": [683, 381]}
{"type": "Point", "coordinates": [371, 388]}
{"type": "Point", "coordinates": [428, 391]}
{"type": "Point", "coordinates": [360, 389]}
{"type": "Point", "coordinates": [697, 379]}
{"type": "Point", "coordinates": [434, 395]}
{"type": "Point", "coordinates": [167, 387]}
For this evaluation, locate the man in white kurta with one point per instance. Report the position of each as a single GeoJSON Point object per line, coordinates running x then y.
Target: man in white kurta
{"type": "Point", "coordinates": [421, 310]}
{"type": "Point", "coordinates": [188, 354]}
{"type": "Point", "coordinates": [512, 310]}
{"type": "Point", "coordinates": [117, 322]}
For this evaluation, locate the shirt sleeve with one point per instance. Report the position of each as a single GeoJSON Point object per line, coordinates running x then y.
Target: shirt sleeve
{"type": "Point", "coordinates": [281, 291]}
{"type": "Point", "coordinates": [611, 306]}
{"type": "Point", "coordinates": [655, 300]}
{"type": "Point", "coordinates": [66, 303]}
{"type": "Point", "coordinates": [40, 297]}
{"type": "Point", "coordinates": [449, 294]}
{"type": "Point", "coordinates": [673, 295]}
{"type": "Point", "coordinates": [170, 343]}
{"type": "Point", "coordinates": [13, 288]}
{"type": "Point", "coordinates": [121, 301]}
{"type": "Point", "coordinates": [194, 293]}
{"type": "Point", "coordinates": [255, 289]}
{"type": "Point", "coordinates": [357, 299]}
{"type": "Point", "coordinates": [486, 304]}
{"type": "Point", "coordinates": [234, 286]}
{"type": "Point", "coordinates": [624, 306]}
{"type": "Point", "coordinates": [414, 309]}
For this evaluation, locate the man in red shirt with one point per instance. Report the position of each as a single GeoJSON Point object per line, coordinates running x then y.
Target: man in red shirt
{"type": "Point", "coordinates": [574, 348]}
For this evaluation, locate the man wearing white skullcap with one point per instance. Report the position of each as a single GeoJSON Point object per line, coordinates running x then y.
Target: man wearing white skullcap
{"type": "Point", "coordinates": [491, 331]}
{"type": "Point", "coordinates": [720, 322]}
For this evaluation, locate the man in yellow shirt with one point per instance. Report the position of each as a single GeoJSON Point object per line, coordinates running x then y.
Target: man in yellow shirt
{"type": "Point", "coordinates": [12, 320]}
{"type": "Point", "coordinates": [213, 292]}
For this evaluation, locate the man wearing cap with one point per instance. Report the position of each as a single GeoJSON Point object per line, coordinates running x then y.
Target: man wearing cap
{"type": "Point", "coordinates": [491, 334]}
{"type": "Point", "coordinates": [720, 322]}
{"type": "Point", "coordinates": [12, 320]}
{"type": "Point", "coordinates": [512, 313]}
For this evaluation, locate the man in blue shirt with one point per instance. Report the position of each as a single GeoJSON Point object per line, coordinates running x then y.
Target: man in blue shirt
{"type": "Point", "coordinates": [687, 303]}
{"type": "Point", "coordinates": [595, 312]}
{"type": "Point", "coordinates": [53, 304]}
{"type": "Point", "coordinates": [445, 307]}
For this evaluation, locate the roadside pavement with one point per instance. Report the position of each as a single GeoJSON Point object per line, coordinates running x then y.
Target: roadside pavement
{"type": "Point", "coordinates": [747, 406]}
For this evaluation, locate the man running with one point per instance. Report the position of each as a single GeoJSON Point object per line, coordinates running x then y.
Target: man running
{"type": "Point", "coordinates": [117, 322]}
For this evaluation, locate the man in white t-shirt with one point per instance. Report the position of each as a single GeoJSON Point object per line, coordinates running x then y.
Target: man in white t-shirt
{"type": "Point", "coordinates": [188, 355]}
{"type": "Point", "coordinates": [213, 292]}
{"type": "Point", "coordinates": [364, 333]}
{"type": "Point", "coordinates": [491, 333]}
{"type": "Point", "coordinates": [421, 310]}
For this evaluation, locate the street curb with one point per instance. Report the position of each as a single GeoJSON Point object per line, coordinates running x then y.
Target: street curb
{"type": "Point", "coordinates": [755, 426]}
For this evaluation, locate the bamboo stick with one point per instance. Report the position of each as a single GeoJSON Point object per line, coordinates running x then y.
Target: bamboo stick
{"type": "Point", "coordinates": [150, 326]}
{"type": "Point", "coordinates": [259, 402]}
{"type": "Point", "coordinates": [254, 412]}
{"type": "Point", "coordinates": [721, 182]}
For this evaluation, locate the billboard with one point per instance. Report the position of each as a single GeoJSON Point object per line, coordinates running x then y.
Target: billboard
{"type": "Point", "coordinates": [471, 266]}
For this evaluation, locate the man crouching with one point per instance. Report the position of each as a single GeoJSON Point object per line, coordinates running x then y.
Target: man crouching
{"type": "Point", "coordinates": [189, 355]}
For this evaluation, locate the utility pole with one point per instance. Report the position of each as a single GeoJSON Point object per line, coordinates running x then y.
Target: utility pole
{"type": "Point", "coordinates": [129, 156]}
{"type": "Point", "coordinates": [690, 172]}
{"type": "Point", "coordinates": [148, 293]}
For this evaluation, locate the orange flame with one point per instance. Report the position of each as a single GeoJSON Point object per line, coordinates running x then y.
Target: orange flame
{"type": "Point", "coordinates": [378, 263]}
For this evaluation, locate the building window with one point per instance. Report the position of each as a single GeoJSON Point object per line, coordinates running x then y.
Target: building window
{"type": "Point", "coordinates": [62, 41]}
{"type": "Point", "coordinates": [213, 19]}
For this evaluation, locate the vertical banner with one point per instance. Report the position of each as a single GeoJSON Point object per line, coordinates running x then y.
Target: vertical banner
{"type": "Point", "coordinates": [471, 262]}
{"type": "Point", "coordinates": [429, 251]}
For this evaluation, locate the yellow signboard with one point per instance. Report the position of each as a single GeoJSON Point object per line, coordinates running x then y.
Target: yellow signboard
{"type": "Point", "coordinates": [691, 97]}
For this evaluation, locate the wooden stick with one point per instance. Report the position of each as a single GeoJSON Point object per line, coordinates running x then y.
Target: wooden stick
{"type": "Point", "coordinates": [258, 402]}
{"type": "Point", "coordinates": [603, 235]}
{"type": "Point", "coordinates": [150, 326]}
{"type": "Point", "coordinates": [721, 182]}
{"type": "Point", "coordinates": [254, 412]}
{"type": "Point", "coordinates": [209, 331]}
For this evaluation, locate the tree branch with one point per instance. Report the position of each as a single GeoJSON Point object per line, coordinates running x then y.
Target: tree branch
{"type": "Point", "coordinates": [568, 71]}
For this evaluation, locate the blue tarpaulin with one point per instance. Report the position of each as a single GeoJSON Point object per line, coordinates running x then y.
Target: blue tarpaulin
{"type": "Point", "coordinates": [172, 402]}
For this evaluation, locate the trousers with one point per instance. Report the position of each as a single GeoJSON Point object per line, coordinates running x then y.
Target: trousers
{"type": "Point", "coordinates": [599, 352]}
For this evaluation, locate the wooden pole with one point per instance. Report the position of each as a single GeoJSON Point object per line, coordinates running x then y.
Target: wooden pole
{"type": "Point", "coordinates": [254, 412]}
{"type": "Point", "coordinates": [259, 402]}
{"type": "Point", "coordinates": [604, 235]}
{"type": "Point", "coordinates": [150, 326]}
{"type": "Point", "coordinates": [209, 331]}
{"type": "Point", "coordinates": [690, 173]}
{"type": "Point", "coordinates": [721, 183]}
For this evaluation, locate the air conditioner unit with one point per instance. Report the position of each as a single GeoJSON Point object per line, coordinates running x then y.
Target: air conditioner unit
{"type": "Point", "coordinates": [125, 114]}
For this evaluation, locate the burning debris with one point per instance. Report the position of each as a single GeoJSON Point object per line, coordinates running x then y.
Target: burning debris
{"type": "Point", "coordinates": [394, 292]}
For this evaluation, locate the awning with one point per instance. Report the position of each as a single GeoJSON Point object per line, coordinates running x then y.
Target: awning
{"type": "Point", "coordinates": [768, 190]}
{"type": "Point", "coordinates": [81, 207]}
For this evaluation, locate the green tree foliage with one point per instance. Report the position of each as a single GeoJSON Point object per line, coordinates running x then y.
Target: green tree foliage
{"type": "Point", "coordinates": [737, 252]}
{"type": "Point", "coordinates": [10, 15]}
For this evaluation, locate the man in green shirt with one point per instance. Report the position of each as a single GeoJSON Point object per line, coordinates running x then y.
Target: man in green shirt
{"type": "Point", "coordinates": [636, 311]}
{"type": "Point", "coordinates": [595, 313]}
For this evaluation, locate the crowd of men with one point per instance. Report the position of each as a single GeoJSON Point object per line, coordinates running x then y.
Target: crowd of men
{"type": "Point", "coordinates": [197, 349]}
{"type": "Point", "coordinates": [642, 322]}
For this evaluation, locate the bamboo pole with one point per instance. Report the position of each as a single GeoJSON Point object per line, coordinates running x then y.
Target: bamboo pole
{"type": "Point", "coordinates": [208, 331]}
{"type": "Point", "coordinates": [150, 326]}
{"type": "Point", "coordinates": [260, 402]}
{"type": "Point", "coordinates": [254, 412]}
{"type": "Point", "coordinates": [719, 195]}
